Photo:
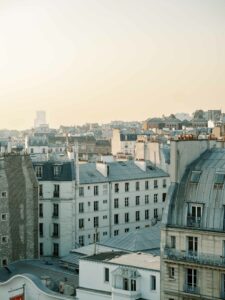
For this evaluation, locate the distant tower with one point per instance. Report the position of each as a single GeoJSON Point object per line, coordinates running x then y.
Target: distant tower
{"type": "Point", "coordinates": [40, 118]}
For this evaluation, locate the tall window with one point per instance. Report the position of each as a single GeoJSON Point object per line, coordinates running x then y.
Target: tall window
{"type": "Point", "coordinates": [164, 183]}
{"type": "Point", "coordinates": [137, 200]}
{"type": "Point", "coordinates": [126, 186]}
{"type": "Point", "coordinates": [155, 198]}
{"type": "Point", "coordinates": [155, 184]}
{"type": "Point", "coordinates": [116, 203]}
{"type": "Point", "coordinates": [137, 186]}
{"type": "Point", "coordinates": [41, 210]}
{"type": "Point", "coordinates": [146, 199]}
{"type": "Point", "coordinates": [106, 274]}
{"type": "Point", "coordinates": [146, 185]}
{"type": "Point", "coordinates": [96, 223]}
{"type": "Point", "coordinates": [96, 190]}
{"type": "Point", "coordinates": [40, 190]}
{"type": "Point", "coordinates": [81, 191]}
{"type": "Point", "coordinates": [194, 216]}
{"type": "Point", "coordinates": [153, 282]}
{"type": "Point", "coordinates": [191, 280]}
{"type": "Point", "coordinates": [116, 219]}
{"type": "Point", "coordinates": [56, 170]}
{"type": "Point", "coordinates": [41, 229]}
{"type": "Point", "coordinates": [192, 245]}
{"type": "Point", "coordinates": [163, 197]}
{"type": "Point", "coordinates": [155, 213]}
{"type": "Point", "coordinates": [81, 207]}
{"type": "Point", "coordinates": [55, 210]}
{"type": "Point", "coordinates": [146, 214]}
{"type": "Point", "coordinates": [126, 217]}
{"type": "Point", "coordinates": [126, 201]}
{"type": "Point", "coordinates": [173, 242]}
{"type": "Point", "coordinates": [56, 191]}
{"type": "Point", "coordinates": [137, 215]}
{"type": "Point", "coordinates": [55, 230]}
{"type": "Point", "coordinates": [116, 188]}
{"type": "Point", "coordinates": [96, 206]}
{"type": "Point", "coordinates": [81, 223]}
{"type": "Point", "coordinates": [81, 240]}
{"type": "Point", "coordinates": [55, 249]}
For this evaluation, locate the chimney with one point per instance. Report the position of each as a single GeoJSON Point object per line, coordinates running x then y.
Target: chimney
{"type": "Point", "coordinates": [102, 168]}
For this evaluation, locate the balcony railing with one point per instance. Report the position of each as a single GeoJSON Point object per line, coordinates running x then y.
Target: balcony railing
{"type": "Point", "coordinates": [195, 257]}
{"type": "Point", "coordinates": [193, 222]}
{"type": "Point", "coordinates": [191, 289]}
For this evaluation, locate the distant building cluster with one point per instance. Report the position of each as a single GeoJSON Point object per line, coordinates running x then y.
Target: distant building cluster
{"type": "Point", "coordinates": [125, 210]}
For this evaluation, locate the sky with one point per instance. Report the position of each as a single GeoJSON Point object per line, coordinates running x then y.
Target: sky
{"type": "Point", "coordinates": [101, 60]}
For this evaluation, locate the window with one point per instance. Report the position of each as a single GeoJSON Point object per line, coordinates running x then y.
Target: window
{"type": "Point", "coordinates": [39, 171]}
{"type": "Point", "coordinates": [137, 215]}
{"type": "Point", "coordinates": [41, 249]}
{"type": "Point", "coordinates": [195, 176]}
{"type": "Point", "coordinates": [81, 207]}
{"type": "Point", "coordinates": [164, 183]}
{"type": "Point", "coordinates": [133, 285]}
{"type": "Point", "coordinates": [55, 249]}
{"type": "Point", "coordinates": [116, 232]}
{"type": "Point", "coordinates": [191, 280]}
{"type": "Point", "coordinates": [173, 242]}
{"type": "Point", "coordinates": [55, 213]}
{"type": "Point", "coordinates": [153, 282]}
{"type": "Point", "coordinates": [40, 210]}
{"type": "Point", "coordinates": [194, 215]}
{"type": "Point", "coordinates": [55, 230]}
{"type": "Point", "coordinates": [41, 229]}
{"type": "Point", "coordinates": [56, 170]}
{"type": "Point", "coordinates": [3, 217]}
{"type": "Point", "coordinates": [105, 233]}
{"type": "Point", "coordinates": [4, 262]}
{"type": "Point", "coordinates": [96, 190]}
{"type": "Point", "coordinates": [147, 214]}
{"type": "Point", "coordinates": [81, 191]}
{"type": "Point", "coordinates": [137, 186]}
{"type": "Point", "coordinates": [96, 206]}
{"type": "Point", "coordinates": [146, 199]}
{"type": "Point", "coordinates": [137, 228]}
{"type": "Point", "coordinates": [116, 203]}
{"type": "Point", "coordinates": [56, 191]}
{"type": "Point", "coordinates": [81, 223]}
{"type": "Point", "coordinates": [155, 184]}
{"type": "Point", "coordinates": [219, 180]}
{"type": "Point", "coordinates": [163, 197]}
{"type": "Point", "coordinates": [104, 201]}
{"type": "Point", "coordinates": [126, 201]}
{"type": "Point", "coordinates": [4, 239]}
{"type": "Point", "coordinates": [146, 185]}
{"type": "Point", "coordinates": [105, 189]}
{"type": "Point", "coordinates": [126, 230]}
{"type": "Point", "coordinates": [192, 245]}
{"type": "Point", "coordinates": [105, 217]}
{"type": "Point", "coordinates": [155, 213]}
{"type": "Point", "coordinates": [116, 188]}
{"type": "Point", "coordinates": [96, 223]}
{"type": "Point", "coordinates": [95, 237]}
{"type": "Point", "coordinates": [126, 186]}
{"type": "Point", "coordinates": [125, 284]}
{"type": "Point", "coordinates": [126, 217]}
{"type": "Point", "coordinates": [106, 274]}
{"type": "Point", "coordinates": [31, 150]}
{"type": "Point", "coordinates": [171, 272]}
{"type": "Point", "coordinates": [3, 194]}
{"type": "Point", "coordinates": [40, 190]}
{"type": "Point", "coordinates": [155, 198]}
{"type": "Point", "coordinates": [116, 219]}
{"type": "Point", "coordinates": [137, 200]}
{"type": "Point", "coordinates": [81, 240]}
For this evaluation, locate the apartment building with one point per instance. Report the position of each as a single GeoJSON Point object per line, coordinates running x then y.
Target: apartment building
{"type": "Point", "coordinates": [121, 276]}
{"type": "Point", "coordinates": [18, 209]}
{"type": "Point", "coordinates": [192, 236]}
{"type": "Point", "coordinates": [81, 204]}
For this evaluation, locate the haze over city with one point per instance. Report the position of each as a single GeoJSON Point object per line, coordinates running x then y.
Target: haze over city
{"type": "Point", "coordinates": [97, 60]}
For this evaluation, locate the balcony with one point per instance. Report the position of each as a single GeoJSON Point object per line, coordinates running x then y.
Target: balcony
{"type": "Point", "coordinates": [194, 257]}
{"type": "Point", "coordinates": [193, 222]}
{"type": "Point", "coordinates": [191, 289]}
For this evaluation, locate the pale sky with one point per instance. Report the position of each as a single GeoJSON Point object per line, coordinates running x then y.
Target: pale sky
{"type": "Point", "coordinates": [101, 60]}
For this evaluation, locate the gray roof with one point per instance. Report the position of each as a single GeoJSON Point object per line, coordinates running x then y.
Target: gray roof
{"type": "Point", "coordinates": [199, 189]}
{"type": "Point", "coordinates": [118, 171]}
{"type": "Point", "coordinates": [139, 240]}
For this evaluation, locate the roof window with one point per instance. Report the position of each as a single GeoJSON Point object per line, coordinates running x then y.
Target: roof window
{"type": "Point", "coordinates": [219, 180]}
{"type": "Point", "coordinates": [195, 176]}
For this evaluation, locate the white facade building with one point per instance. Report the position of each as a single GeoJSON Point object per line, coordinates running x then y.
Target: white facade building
{"type": "Point", "coordinates": [120, 276]}
{"type": "Point", "coordinates": [91, 202]}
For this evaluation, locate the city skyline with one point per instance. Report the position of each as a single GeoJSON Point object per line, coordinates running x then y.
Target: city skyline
{"type": "Point", "coordinates": [97, 61]}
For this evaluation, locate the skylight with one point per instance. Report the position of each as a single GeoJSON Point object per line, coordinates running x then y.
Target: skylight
{"type": "Point", "coordinates": [195, 176]}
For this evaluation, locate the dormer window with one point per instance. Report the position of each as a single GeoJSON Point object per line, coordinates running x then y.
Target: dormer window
{"type": "Point", "coordinates": [195, 176]}
{"type": "Point", "coordinates": [219, 180]}
{"type": "Point", "coordinates": [57, 170]}
{"type": "Point", "coordinates": [39, 171]}
{"type": "Point", "coordinates": [194, 215]}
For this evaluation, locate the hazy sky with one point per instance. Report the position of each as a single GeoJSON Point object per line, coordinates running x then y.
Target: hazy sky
{"type": "Point", "coordinates": [99, 60]}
